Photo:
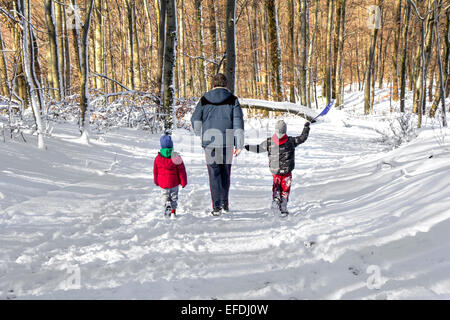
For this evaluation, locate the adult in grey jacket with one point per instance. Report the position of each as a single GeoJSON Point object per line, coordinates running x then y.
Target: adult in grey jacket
{"type": "Point", "coordinates": [219, 120]}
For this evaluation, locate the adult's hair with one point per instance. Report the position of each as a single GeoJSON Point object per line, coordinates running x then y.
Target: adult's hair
{"type": "Point", "coordinates": [220, 80]}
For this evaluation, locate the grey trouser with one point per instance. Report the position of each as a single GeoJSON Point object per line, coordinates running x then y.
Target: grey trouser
{"type": "Point", "coordinates": [170, 196]}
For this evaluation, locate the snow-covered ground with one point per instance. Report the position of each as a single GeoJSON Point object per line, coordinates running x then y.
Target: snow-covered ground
{"type": "Point", "coordinates": [84, 221]}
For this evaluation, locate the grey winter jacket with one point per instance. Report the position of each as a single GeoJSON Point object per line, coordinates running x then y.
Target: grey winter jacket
{"type": "Point", "coordinates": [219, 120]}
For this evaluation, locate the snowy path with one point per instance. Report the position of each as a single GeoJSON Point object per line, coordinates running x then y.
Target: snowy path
{"type": "Point", "coordinates": [353, 205]}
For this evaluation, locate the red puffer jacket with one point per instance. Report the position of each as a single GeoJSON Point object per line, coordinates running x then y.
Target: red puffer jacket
{"type": "Point", "coordinates": [169, 172]}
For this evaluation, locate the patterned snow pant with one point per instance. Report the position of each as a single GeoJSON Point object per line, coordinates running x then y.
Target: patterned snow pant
{"type": "Point", "coordinates": [170, 196]}
{"type": "Point", "coordinates": [281, 189]}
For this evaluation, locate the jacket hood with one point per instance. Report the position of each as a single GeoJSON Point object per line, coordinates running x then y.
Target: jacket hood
{"type": "Point", "coordinates": [218, 95]}
{"type": "Point", "coordinates": [280, 141]}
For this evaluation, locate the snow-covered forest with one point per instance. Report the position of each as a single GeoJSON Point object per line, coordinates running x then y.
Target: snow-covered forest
{"type": "Point", "coordinates": [87, 89]}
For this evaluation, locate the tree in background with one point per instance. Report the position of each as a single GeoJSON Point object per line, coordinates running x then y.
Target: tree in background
{"type": "Point", "coordinates": [275, 50]}
{"type": "Point", "coordinates": [370, 66]}
{"type": "Point", "coordinates": [170, 54]}
{"type": "Point", "coordinates": [339, 53]}
{"type": "Point", "coordinates": [310, 48]}
{"type": "Point", "coordinates": [231, 44]}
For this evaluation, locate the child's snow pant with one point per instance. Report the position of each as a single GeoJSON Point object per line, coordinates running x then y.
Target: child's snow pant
{"type": "Point", "coordinates": [281, 189]}
{"type": "Point", "coordinates": [218, 161]}
{"type": "Point", "coordinates": [170, 196]}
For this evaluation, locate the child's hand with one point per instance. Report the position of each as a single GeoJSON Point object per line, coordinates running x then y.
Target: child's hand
{"type": "Point", "coordinates": [307, 124]}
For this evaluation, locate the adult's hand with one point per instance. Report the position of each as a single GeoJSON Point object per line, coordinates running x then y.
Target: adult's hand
{"type": "Point", "coordinates": [237, 152]}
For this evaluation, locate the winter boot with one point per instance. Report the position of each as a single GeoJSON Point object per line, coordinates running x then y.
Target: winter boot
{"type": "Point", "coordinates": [216, 212]}
{"type": "Point", "coordinates": [168, 209]}
{"type": "Point", "coordinates": [225, 208]}
{"type": "Point", "coordinates": [283, 208]}
{"type": "Point", "coordinates": [276, 206]}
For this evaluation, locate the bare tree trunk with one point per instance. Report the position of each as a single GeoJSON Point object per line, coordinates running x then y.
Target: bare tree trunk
{"type": "Point", "coordinates": [403, 59]}
{"type": "Point", "coordinates": [161, 43]}
{"type": "Point", "coordinates": [425, 55]}
{"type": "Point", "coordinates": [439, 61]}
{"type": "Point", "coordinates": [329, 51]}
{"type": "Point", "coordinates": [67, 62]}
{"type": "Point", "coordinates": [187, 27]}
{"type": "Point", "coordinates": [54, 67]}
{"type": "Point", "coordinates": [447, 54]}
{"type": "Point", "coordinates": [201, 67]}
{"type": "Point", "coordinates": [98, 51]}
{"type": "Point", "coordinates": [336, 30]}
{"type": "Point", "coordinates": [383, 57]}
{"type": "Point", "coordinates": [431, 80]}
{"type": "Point", "coordinates": [104, 50]}
{"type": "Point", "coordinates": [304, 27]}
{"type": "Point", "coordinates": [134, 46]}
{"type": "Point", "coordinates": [150, 41]}
{"type": "Point", "coordinates": [4, 77]}
{"type": "Point", "coordinates": [395, 57]}
{"type": "Point", "coordinates": [358, 69]}
{"type": "Point", "coordinates": [182, 61]}
{"type": "Point", "coordinates": [253, 31]}
{"type": "Point", "coordinates": [169, 62]}
{"type": "Point", "coordinates": [421, 91]}
{"type": "Point", "coordinates": [291, 48]}
{"type": "Point", "coordinates": [20, 81]}
{"type": "Point", "coordinates": [370, 74]}
{"type": "Point", "coordinates": [275, 50]}
{"type": "Point", "coordinates": [340, 54]}
{"type": "Point", "coordinates": [76, 39]}
{"type": "Point", "coordinates": [213, 35]}
{"type": "Point", "coordinates": [265, 36]}
{"type": "Point", "coordinates": [313, 44]}
{"type": "Point", "coordinates": [111, 52]}
{"type": "Point", "coordinates": [36, 71]}
{"type": "Point", "coordinates": [85, 96]}
{"type": "Point", "coordinates": [412, 65]}
{"type": "Point", "coordinates": [231, 44]}
{"type": "Point", "coordinates": [27, 68]}
{"type": "Point", "coordinates": [378, 60]}
{"type": "Point", "coordinates": [60, 40]}
{"type": "Point", "coordinates": [443, 70]}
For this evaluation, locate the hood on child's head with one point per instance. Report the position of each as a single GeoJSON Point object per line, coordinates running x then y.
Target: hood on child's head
{"type": "Point", "coordinates": [280, 128]}
{"type": "Point", "coordinates": [166, 142]}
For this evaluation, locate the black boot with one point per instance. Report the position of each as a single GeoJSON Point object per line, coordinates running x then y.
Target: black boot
{"type": "Point", "coordinates": [225, 208]}
{"type": "Point", "coordinates": [216, 212]}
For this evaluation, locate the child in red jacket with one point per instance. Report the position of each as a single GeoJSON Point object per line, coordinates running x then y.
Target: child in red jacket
{"type": "Point", "coordinates": [169, 172]}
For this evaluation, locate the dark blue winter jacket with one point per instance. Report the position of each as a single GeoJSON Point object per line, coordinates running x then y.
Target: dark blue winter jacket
{"type": "Point", "coordinates": [219, 120]}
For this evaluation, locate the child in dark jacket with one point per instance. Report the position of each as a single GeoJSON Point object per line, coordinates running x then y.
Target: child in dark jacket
{"type": "Point", "coordinates": [169, 172]}
{"type": "Point", "coordinates": [281, 151]}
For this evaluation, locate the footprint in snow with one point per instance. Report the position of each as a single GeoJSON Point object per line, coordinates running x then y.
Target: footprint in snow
{"type": "Point", "coordinates": [309, 244]}
{"type": "Point", "coordinates": [354, 270]}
